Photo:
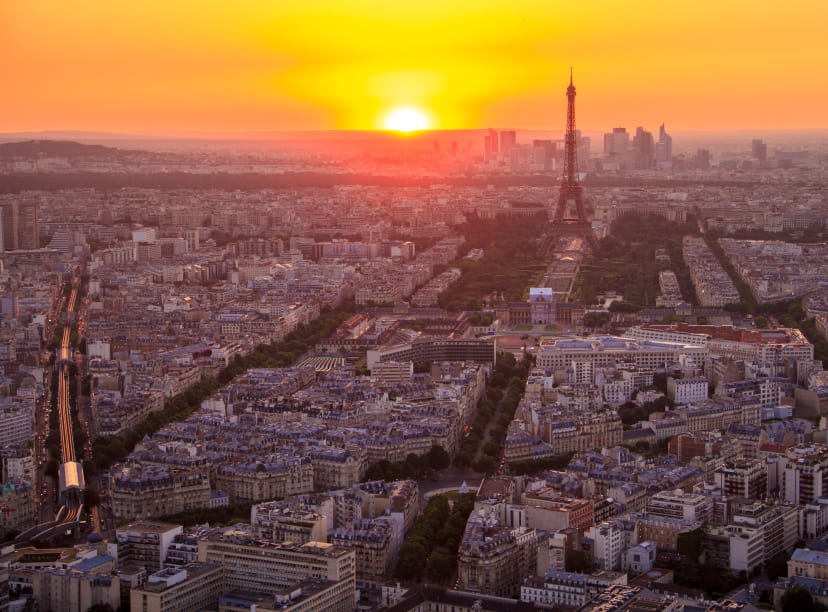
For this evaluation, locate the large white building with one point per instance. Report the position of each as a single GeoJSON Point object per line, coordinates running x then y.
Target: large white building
{"type": "Point", "coordinates": [759, 531]}
{"type": "Point", "coordinates": [16, 422]}
{"type": "Point", "coordinates": [805, 474]}
{"type": "Point", "coordinates": [763, 347]}
{"type": "Point", "coordinates": [608, 545]}
{"type": "Point", "coordinates": [667, 333]}
{"type": "Point", "coordinates": [680, 505]}
{"type": "Point", "coordinates": [609, 351]}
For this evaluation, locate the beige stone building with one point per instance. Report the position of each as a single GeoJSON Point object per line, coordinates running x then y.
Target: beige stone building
{"type": "Point", "coordinates": [265, 481]}
{"type": "Point", "coordinates": [493, 559]}
{"type": "Point", "coordinates": [73, 590]}
{"type": "Point", "coordinates": [372, 543]}
{"type": "Point", "coordinates": [337, 468]}
{"type": "Point", "coordinates": [143, 491]}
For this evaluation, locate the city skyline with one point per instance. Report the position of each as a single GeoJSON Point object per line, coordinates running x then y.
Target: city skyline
{"type": "Point", "coordinates": [184, 67]}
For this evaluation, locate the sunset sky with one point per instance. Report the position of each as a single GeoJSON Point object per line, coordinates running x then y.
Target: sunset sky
{"type": "Point", "coordinates": [179, 66]}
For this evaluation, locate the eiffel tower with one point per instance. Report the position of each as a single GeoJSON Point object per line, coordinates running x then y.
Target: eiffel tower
{"type": "Point", "coordinates": [569, 219]}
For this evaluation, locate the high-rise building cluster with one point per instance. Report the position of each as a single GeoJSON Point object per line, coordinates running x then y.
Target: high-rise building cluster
{"type": "Point", "coordinates": [541, 154]}
{"type": "Point", "coordinates": [642, 152]}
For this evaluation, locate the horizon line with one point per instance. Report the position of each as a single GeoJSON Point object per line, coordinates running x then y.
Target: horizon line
{"type": "Point", "coordinates": [52, 134]}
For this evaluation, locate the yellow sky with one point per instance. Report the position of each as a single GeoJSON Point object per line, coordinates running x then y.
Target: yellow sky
{"type": "Point", "coordinates": [172, 66]}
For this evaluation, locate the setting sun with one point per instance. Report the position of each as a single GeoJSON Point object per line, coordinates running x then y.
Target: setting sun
{"type": "Point", "coordinates": [406, 120]}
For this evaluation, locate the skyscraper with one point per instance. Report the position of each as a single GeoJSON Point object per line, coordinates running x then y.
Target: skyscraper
{"type": "Point", "coordinates": [8, 226]}
{"type": "Point", "coordinates": [490, 143]}
{"type": "Point", "coordinates": [664, 148]}
{"type": "Point", "coordinates": [28, 225]}
{"type": "Point", "coordinates": [508, 139]}
{"type": "Point", "coordinates": [19, 226]}
{"type": "Point", "coordinates": [759, 150]}
{"type": "Point", "coordinates": [643, 149]}
{"type": "Point", "coordinates": [584, 149]}
{"type": "Point", "coordinates": [616, 142]}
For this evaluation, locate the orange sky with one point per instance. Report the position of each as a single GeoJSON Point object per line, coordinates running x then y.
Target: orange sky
{"type": "Point", "coordinates": [173, 66]}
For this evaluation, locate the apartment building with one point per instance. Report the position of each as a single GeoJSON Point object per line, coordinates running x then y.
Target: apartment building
{"type": "Point", "coordinates": [747, 479]}
{"type": "Point", "coordinates": [147, 491]}
{"type": "Point", "coordinates": [805, 474]}
{"type": "Point", "coordinates": [144, 544]}
{"type": "Point", "coordinates": [281, 522]}
{"type": "Point", "coordinates": [493, 558]}
{"type": "Point", "coordinates": [262, 567]}
{"type": "Point", "coordinates": [609, 351]}
{"type": "Point", "coordinates": [373, 542]}
{"type": "Point", "coordinates": [195, 586]}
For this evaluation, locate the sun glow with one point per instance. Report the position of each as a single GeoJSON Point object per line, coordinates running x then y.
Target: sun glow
{"type": "Point", "coordinates": [406, 120]}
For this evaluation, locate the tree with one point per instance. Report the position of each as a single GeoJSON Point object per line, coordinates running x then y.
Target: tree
{"type": "Point", "coordinates": [438, 457]}
{"type": "Point", "coordinates": [505, 363]}
{"type": "Point", "coordinates": [462, 459]}
{"type": "Point", "coordinates": [91, 497]}
{"type": "Point", "coordinates": [491, 448]}
{"type": "Point", "coordinates": [439, 567]}
{"type": "Point", "coordinates": [631, 413]}
{"type": "Point", "coordinates": [485, 465]}
{"type": "Point", "coordinates": [624, 306]}
{"type": "Point", "coordinates": [595, 319]}
{"type": "Point", "coordinates": [51, 468]}
{"type": "Point", "coordinates": [411, 561]}
{"type": "Point", "coordinates": [89, 469]}
{"type": "Point", "coordinates": [415, 464]}
{"type": "Point", "coordinates": [499, 380]}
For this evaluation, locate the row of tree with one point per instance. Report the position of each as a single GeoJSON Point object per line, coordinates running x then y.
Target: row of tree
{"type": "Point", "coordinates": [296, 343]}
{"type": "Point", "coordinates": [533, 467]}
{"type": "Point", "coordinates": [483, 445]}
{"type": "Point", "coordinates": [223, 515]}
{"type": "Point", "coordinates": [414, 466]}
{"type": "Point", "coordinates": [109, 450]}
{"type": "Point", "coordinates": [430, 550]}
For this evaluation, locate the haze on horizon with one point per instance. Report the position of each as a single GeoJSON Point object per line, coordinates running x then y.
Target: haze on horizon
{"type": "Point", "coordinates": [183, 66]}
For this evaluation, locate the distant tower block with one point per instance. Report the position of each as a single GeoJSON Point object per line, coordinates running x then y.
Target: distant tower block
{"type": "Point", "coordinates": [570, 220]}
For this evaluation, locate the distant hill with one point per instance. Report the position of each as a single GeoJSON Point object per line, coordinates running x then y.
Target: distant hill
{"type": "Point", "coordinates": [56, 148]}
